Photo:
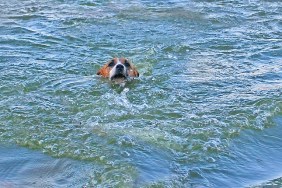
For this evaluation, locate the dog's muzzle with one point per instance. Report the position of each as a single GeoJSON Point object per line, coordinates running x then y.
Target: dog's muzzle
{"type": "Point", "coordinates": [120, 72]}
{"type": "Point", "coordinates": [119, 69]}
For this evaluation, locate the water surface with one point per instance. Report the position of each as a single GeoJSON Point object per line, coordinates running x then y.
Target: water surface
{"type": "Point", "coordinates": [207, 101]}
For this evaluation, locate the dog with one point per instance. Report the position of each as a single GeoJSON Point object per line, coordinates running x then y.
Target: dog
{"type": "Point", "coordinates": [118, 69]}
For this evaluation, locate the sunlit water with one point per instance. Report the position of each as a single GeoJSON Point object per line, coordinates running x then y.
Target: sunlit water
{"type": "Point", "coordinates": [205, 112]}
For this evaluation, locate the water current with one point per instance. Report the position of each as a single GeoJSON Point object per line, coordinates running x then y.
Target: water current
{"type": "Point", "coordinates": [205, 111]}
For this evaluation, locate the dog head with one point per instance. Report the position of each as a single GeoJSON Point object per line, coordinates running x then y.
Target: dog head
{"type": "Point", "coordinates": [118, 68]}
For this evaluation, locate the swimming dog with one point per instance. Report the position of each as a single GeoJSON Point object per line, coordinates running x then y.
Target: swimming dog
{"type": "Point", "coordinates": [118, 69]}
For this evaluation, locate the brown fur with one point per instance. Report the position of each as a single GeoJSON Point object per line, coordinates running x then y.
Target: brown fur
{"type": "Point", "coordinates": [105, 70]}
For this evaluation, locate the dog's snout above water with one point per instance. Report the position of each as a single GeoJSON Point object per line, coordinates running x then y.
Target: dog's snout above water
{"type": "Point", "coordinates": [119, 68]}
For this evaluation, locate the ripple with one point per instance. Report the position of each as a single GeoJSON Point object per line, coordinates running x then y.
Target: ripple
{"type": "Point", "coordinates": [208, 74]}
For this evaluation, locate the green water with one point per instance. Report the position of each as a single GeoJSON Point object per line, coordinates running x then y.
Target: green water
{"type": "Point", "coordinates": [205, 112]}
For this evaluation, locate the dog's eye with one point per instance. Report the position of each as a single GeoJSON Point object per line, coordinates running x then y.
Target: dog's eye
{"type": "Point", "coordinates": [111, 64]}
{"type": "Point", "coordinates": [126, 64]}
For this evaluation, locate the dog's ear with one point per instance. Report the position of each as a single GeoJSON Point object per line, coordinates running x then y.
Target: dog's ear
{"type": "Point", "coordinates": [104, 71]}
{"type": "Point", "coordinates": [133, 72]}
{"type": "Point", "coordinates": [136, 73]}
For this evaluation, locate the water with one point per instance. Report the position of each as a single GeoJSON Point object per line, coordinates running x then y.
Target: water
{"type": "Point", "coordinates": [205, 112]}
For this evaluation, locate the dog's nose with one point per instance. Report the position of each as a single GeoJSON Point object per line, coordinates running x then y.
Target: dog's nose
{"type": "Point", "coordinates": [120, 67]}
